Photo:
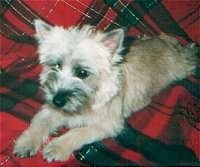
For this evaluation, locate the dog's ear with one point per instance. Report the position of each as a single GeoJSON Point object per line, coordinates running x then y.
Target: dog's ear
{"type": "Point", "coordinates": [113, 40]}
{"type": "Point", "coordinates": [41, 29]}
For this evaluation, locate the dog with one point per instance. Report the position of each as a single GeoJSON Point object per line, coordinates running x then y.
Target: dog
{"type": "Point", "coordinates": [90, 87]}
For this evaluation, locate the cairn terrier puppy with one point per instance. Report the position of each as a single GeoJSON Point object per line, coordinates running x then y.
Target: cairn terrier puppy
{"type": "Point", "coordinates": [91, 88]}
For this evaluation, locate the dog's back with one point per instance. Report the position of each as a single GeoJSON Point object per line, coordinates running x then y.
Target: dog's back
{"type": "Point", "coordinates": [151, 65]}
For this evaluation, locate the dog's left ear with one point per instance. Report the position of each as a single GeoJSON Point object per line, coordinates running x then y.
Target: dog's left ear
{"type": "Point", "coordinates": [113, 40]}
{"type": "Point", "coordinates": [41, 29]}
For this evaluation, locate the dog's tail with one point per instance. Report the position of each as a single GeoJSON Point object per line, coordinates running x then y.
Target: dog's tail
{"type": "Point", "coordinates": [189, 59]}
{"type": "Point", "coordinates": [191, 53]}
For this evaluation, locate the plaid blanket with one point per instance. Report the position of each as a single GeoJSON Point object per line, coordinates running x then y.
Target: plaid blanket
{"type": "Point", "coordinates": [165, 132]}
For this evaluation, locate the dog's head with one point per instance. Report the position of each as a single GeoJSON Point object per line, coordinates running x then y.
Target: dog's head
{"type": "Point", "coordinates": [79, 65]}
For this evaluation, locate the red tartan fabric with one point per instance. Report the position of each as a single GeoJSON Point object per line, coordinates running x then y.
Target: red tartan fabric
{"type": "Point", "coordinates": [173, 117]}
{"type": "Point", "coordinates": [165, 123]}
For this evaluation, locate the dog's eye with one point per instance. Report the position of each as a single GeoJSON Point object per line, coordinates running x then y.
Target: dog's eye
{"type": "Point", "coordinates": [81, 73]}
{"type": "Point", "coordinates": [56, 66]}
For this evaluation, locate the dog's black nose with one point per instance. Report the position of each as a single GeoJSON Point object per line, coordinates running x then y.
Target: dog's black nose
{"type": "Point", "coordinates": [59, 99]}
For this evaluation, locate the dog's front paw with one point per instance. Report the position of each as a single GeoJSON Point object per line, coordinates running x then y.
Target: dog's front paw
{"type": "Point", "coordinates": [26, 146]}
{"type": "Point", "coordinates": [56, 151]}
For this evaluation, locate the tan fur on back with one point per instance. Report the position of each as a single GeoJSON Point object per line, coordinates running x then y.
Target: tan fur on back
{"type": "Point", "coordinates": [150, 66]}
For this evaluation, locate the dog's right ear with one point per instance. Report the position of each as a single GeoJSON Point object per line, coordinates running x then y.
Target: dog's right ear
{"type": "Point", "coordinates": [41, 29]}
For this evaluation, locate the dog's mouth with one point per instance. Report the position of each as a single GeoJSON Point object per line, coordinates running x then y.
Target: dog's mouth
{"type": "Point", "coordinates": [70, 100]}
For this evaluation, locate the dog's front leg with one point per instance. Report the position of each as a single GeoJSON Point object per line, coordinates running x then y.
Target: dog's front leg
{"type": "Point", "coordinates": [31, 139]}
{"type": "Point", "coordinates": [60, 149]}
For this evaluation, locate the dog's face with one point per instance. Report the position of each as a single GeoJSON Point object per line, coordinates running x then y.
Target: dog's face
{"type": "Point", "coordinates": [79, 65]}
